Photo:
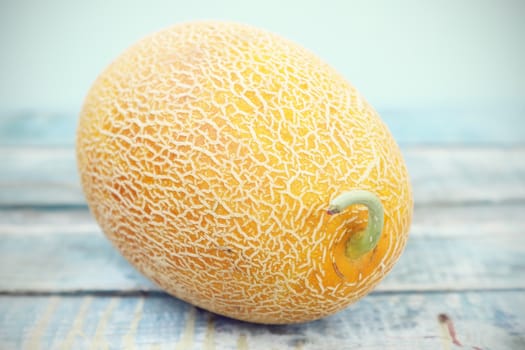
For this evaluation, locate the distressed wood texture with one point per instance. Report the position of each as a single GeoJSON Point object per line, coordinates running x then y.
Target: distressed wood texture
{"type": "Point", "coordinates": [462, 248]}
{"type": "Point", "coordinates": [461, 279]}
{"type": "Point", "coordinates": [474, 320]}
{"type": "Point", "coordinates": [48, 176]}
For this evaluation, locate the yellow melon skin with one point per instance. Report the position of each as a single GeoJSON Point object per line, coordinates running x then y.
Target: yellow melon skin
{"type": "Point", "coordinates": [209, 153]}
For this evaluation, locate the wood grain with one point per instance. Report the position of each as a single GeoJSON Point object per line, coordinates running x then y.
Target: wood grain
{"type": "Point", "coordinates": [390, 321]}
{"type": "Point", "coordinates": [460, 280]}
{"type": "Point", "coordinates": [47, 176]}
{"type": "Point", "coordinates": [461, 248]}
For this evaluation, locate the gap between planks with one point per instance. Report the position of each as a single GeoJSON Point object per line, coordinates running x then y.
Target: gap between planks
{"type": "Point", "coordinates": [144, 293]}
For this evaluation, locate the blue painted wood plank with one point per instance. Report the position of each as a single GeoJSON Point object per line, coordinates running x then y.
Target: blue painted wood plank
{"type": "Point", "coordinates": [48, 176]}
{"type": "Point", "coordinates": [475, 125]}
{"type": "Point", "coordinates": [476, 320]}
{"type": "Point", "coordinates": [33, 128]}
{"type": "Point", "coordinates": [455, 248]}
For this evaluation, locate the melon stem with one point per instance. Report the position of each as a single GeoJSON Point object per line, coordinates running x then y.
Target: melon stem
{"type": "Point", "coordinates": [364, 241]}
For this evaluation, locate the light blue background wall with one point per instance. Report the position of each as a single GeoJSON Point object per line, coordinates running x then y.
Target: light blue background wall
{"type": "Point", "coordinates": [398, 53]}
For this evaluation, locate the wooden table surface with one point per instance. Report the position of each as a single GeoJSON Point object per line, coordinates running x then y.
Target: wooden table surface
{"type": "Point", "coordinates": [459, 284]}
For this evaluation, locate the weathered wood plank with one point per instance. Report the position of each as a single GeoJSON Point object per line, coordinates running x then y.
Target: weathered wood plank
{"type": "Point", "coordinates": [450, 249]}
{"type": "Point", "coordinates": [475, 320]}
{"type": "Point", "coordinates": [495, 125]}
{"type": "Point", "coordinates": [433, 220]}
{"type": "Point", "coordinates": [39, 176]}
{"type": "Point", "coordinates": [47, 176]}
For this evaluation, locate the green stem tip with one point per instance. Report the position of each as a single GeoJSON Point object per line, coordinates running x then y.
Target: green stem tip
{"type": "Point", "coordinates": [364, 241]}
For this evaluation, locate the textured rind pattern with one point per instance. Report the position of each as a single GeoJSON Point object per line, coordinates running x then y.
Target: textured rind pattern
{"type": "Point", "coordinates": [208, 153]}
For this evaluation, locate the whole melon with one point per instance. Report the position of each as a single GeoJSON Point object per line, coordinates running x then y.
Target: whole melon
{"type": "Point", "coordinates": [218, 159]}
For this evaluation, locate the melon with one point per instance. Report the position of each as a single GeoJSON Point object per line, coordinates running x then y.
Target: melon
{"type": "Point", "coordinates": [242, 174]}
